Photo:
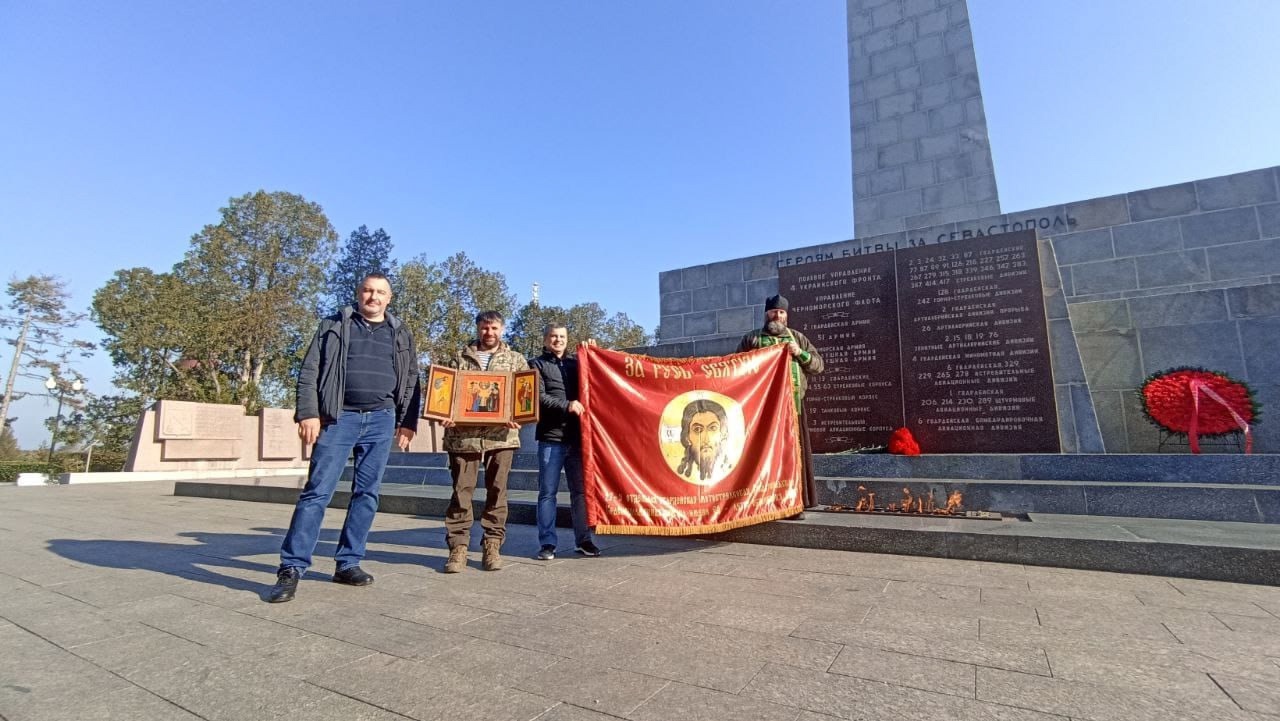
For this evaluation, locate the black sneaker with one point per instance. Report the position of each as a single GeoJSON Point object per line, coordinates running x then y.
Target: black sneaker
{"type": "Point", "coordinates": [352, 576]}
{"type": "Point", "coordinates": [587, 548]}
{"type": "Point", "coordinates": [546, 553]}
{"type": "Point", "coordinates": [286, 585]}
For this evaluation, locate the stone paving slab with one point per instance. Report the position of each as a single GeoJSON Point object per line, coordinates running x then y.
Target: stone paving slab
{"type": "Point", "coordinates": [125, 602]}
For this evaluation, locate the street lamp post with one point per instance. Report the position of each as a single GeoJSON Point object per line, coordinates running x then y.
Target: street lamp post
{"type": "Point", "coordinates": [52, 384]}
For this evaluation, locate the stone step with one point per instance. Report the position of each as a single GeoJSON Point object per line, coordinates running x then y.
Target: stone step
{"type": "Point", "coordinates": [1263, 469]}
{"type": "Point", "coordinates": [519, 479]}
{"type": "Point", "coordinates": [1238, 552]}
{"type": "Point", "coordinates": [1205, 488]}
{"type": "Point", "coordinates": [1240, 502]}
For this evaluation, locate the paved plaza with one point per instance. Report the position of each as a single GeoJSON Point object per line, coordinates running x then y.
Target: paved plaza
{"type": "Point", "coordinates": [125, 602]}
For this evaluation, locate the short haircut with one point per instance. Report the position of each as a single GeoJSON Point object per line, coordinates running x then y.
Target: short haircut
{"type": "Point", "coordinates": [377, 274]}
{"type": "Point", "coordinates": [490, 316]}
{"type": "Point", "coordinates": [546, 329]}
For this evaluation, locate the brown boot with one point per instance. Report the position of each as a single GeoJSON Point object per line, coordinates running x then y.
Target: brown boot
{"type": "Point", "coordinates": [457, 560]}
{"type": "Point", "coordinates": [492, 560]}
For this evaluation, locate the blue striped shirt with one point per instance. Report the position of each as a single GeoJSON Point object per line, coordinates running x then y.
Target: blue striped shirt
{"type": "Point", "coordinates": [371, 371]}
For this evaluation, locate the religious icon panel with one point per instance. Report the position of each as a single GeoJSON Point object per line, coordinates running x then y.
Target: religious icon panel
{"type": "Point", "coordinates": [481, 397]}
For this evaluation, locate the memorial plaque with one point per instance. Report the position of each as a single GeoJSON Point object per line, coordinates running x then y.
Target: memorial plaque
{"type": "Point", "coordinates": [184, 419]}
{"type": "Point", "coordinates": [199, 450]}
{"type": "Point", "coordinates": [176, 420]}
{"type": "Point", "coordinates": [949, 340]}
{"type": "Point", "coordinates": [850, 313]}
{"type": "Point", "coordinates": [975, 349]}
{"type": "Point", "coordinates": [278, 435]}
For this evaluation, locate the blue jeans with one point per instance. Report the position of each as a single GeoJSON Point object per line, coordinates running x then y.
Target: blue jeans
{"type": "Point", "coordinates": [368, 435]}
{"type": "Point", "coordinates": [552, 457]}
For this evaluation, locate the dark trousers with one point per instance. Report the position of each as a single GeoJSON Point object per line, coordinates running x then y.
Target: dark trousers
{"type": "Point", "coordinates": [810, 488]}
{"type": "Point", "coordinates": [465, 469]}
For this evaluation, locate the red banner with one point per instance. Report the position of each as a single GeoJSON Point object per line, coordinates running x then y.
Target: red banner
{"type": "Point", "coordinates": [677, 446]}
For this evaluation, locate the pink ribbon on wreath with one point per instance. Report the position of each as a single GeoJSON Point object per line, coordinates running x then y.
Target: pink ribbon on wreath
{"type": "Point", "coordinates": [1197, 387]}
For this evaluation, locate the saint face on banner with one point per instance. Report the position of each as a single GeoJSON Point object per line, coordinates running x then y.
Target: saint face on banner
{"type": "Point", "coordinates": [688, 445]}
{"type": "Point", "coordinates": [701, 435]}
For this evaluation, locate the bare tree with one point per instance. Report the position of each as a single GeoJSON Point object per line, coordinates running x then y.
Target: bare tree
{"type": "Point", "coordinates": [42, 346]}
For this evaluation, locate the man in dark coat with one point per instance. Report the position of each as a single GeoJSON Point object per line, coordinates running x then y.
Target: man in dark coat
{"type": "Point", "coordinates": [358, 393]}
{"type": "Point", "coordinates": [559, 437]}
{"type": "Point", "coordinates": [805, 362]}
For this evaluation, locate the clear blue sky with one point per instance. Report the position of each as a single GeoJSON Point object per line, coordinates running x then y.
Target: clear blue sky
{"type": "Point", "coordinates": [586, 145]}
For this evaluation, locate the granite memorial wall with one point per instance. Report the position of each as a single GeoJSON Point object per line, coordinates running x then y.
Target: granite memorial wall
{"type": "Point", "coordinates": [1186, 274]}
{"type": "Point", "coordinates": [950, 342]}
{"type": "Point", "coordinates": [183, 435]}
{"type": "Point", "coordinates": [187, 436]}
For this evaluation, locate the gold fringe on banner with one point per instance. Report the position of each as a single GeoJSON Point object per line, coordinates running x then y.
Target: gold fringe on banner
{"type": "Point", "coordinates": [696, 530]}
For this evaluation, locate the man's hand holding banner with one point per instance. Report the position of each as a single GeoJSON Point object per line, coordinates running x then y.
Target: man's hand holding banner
{"type": "Point", "coordinates": [678, 446]}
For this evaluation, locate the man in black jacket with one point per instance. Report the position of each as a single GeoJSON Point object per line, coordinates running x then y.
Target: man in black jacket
{"type": "Point", "coordinates": [559, 437]}
{"type": "Point", "coordinates": [358, 391]}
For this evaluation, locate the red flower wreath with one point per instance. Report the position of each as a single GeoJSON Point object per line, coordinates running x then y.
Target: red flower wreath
{"type": "Point", "coordinates": [1167, 400]}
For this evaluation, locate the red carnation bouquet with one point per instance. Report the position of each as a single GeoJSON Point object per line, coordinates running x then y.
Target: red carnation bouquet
{"type": "Point", "coordinates": [903, 443]}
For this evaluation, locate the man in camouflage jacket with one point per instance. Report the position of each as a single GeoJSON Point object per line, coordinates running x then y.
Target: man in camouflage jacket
{"type": "Point", "coordinates": [469, 446]}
